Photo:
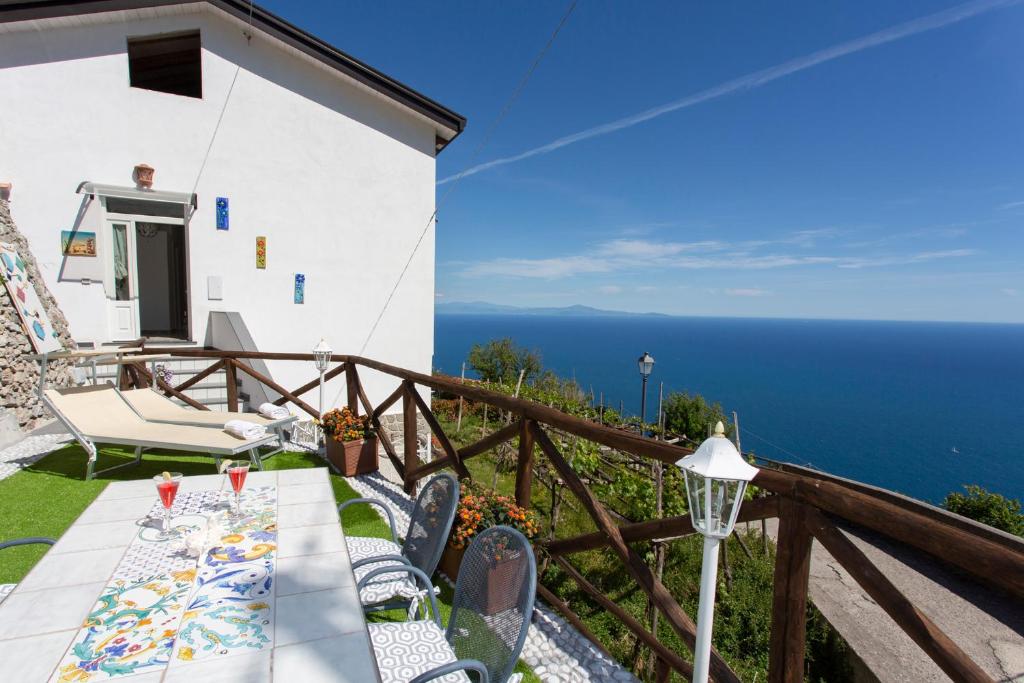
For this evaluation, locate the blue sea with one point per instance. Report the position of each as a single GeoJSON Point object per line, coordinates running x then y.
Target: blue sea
{"type": "Point", "coordinates": [920, 408]}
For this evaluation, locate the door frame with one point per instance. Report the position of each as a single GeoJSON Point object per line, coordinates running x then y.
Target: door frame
{"type": "Point", "coordinates": [131, 221]}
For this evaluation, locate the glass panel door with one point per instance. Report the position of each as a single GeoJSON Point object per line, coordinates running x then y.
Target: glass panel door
{"type": "Point", "coordinates": [122, 298]}
{"type": "Point", "coordinates": [120, 244]}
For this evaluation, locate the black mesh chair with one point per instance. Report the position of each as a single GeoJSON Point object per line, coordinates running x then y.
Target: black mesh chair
{"type": "Point", "coordinates": [6, 588]}
{"type": "Point", "coordinates": [429, 525]}
{"type": "Point", "coordinates": [491, 613]}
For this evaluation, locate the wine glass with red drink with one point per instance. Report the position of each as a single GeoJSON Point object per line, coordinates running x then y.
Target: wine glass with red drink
{"type": "Point", "coordinates": [237, 473]}
{"type": "Point", "coordinates": [167, 488]}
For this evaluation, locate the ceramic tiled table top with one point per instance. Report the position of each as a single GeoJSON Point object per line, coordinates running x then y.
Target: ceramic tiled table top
{"type": "Point", "coordinates": [309, 627]}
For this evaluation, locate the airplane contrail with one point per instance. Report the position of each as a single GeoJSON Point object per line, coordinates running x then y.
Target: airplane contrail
{"type": "Point", "coordinates": [757, 78]}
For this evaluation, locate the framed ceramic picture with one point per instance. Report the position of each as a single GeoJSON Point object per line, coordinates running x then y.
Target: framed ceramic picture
{"type": "Point", "coordinates": [74, 243]}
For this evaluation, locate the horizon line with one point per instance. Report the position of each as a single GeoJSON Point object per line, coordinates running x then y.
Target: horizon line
{"type": "Point", "coordinates": [607, 313]}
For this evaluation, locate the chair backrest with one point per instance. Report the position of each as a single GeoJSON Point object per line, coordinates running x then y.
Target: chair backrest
{"type": "Point", "coordinates": [431, 522]}
{"type": "Point", "coordinates": [493, 601]}
{"type": "Point", "coordinates": [27, 541]}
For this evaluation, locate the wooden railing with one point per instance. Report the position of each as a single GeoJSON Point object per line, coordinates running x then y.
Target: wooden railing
{"type": "Point", "coordinates": [809, 505]}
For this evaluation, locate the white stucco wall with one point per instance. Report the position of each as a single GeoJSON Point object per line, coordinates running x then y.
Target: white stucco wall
{"type": "Point", "coordinates": [339, 180]}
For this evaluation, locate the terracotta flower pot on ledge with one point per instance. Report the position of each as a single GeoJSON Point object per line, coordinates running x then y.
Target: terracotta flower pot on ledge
{"type": "Point", "coordinates": [353, 457]}
{"type": "Point", "coordinates": [144, 176]}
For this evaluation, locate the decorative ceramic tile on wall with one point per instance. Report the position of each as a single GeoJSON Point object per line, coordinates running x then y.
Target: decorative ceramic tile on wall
{"type": "Point", "coordinates": [261, 252]}
{"type": "Point", "coordinates": [222, 213]}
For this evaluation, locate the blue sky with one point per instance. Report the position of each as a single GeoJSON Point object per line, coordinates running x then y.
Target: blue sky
{"type": "Point", "coordinates": [859, 174]}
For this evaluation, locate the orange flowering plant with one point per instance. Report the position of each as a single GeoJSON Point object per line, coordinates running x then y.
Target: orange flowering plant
{"type": "Point", "coordinates": [481, 508]}
{"type": "Point", "coordinates": [344, 425]}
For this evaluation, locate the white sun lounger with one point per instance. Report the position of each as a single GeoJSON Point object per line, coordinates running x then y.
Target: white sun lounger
{"type": "Point", "coordinates": [100, 414]}
{"type": "Point", "coordinates": [155, 407]}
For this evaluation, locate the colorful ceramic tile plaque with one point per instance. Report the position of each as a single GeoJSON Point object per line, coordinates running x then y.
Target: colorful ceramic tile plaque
{"type": "Point", "coordinates": [231, 609]}
{"type": "Point", "coordinates": [300, 288]}
{"type": "Point", "coordinates": [161, 601]}
{"type": "Point", "coordinates": [261, 252]}
{"type": "Point", "coordinates": [33, 316]}
{"type": "Point", "coordinates": [222, 213]}
{"type": "Point", "coordinates": [75, 243]}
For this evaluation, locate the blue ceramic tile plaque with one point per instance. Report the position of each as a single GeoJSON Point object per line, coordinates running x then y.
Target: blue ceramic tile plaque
{"type": "Point", "coordinates": [300, 288]}
{"type": "Point", "coordinates": [222, 213]}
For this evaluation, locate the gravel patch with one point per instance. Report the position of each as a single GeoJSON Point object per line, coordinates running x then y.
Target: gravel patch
{"type": "Point", "coordinates": [28, 450]}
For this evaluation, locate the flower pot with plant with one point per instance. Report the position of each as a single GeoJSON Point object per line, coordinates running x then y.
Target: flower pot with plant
{"type": "Point", "coordinates": [481, 508]}
{"type": "Point", "coordinates": [350, 442]}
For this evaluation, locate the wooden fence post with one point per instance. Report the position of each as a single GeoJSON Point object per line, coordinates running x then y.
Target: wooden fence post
{"type": "Point", "coordinates": [231, 377]}
{"type": "Point", "coordinates": [409, 436]}
{"type": "Point", "coordinates": [789, 600]}
{"type": "Point", "coordinates": [524, 465]}
{"type": "Point", "coordinates": [352, 386]}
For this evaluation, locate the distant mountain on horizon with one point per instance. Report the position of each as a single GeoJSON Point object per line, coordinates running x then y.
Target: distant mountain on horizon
{"type": "Point", "coordinates": [482, 307]}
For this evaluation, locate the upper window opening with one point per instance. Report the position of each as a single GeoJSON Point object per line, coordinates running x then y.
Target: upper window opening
{"type": "Point", "coordinates": [167, 63]}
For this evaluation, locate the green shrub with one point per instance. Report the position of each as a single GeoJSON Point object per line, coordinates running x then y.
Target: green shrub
{"type": "Point", "coordinates": [988, 508]}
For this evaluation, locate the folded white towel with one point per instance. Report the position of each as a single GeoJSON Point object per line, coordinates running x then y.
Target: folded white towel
{"type": "Point", "coordinates": [272, 412]}
{"type": "Point", "coordinates": [245, 430]}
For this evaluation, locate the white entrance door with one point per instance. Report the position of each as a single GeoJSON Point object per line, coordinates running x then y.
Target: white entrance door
{"type": "Point", "coordinates": [147, 278]}
{"type": "Point", "coordinates": [123, 306]}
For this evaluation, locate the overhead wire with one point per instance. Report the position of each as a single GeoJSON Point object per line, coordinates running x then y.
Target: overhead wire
{"type": "Point", "coordinates": [480, 146]}
{"type": "Point", "coordinates": [454, 183]}
{"type": "Point", "coordinates": [220, 116]}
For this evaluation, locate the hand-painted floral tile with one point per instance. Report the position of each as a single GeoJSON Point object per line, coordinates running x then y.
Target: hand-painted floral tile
{"type": "Point", "coordinates": [130, 630]}
{"type": "Point", "coordinates": [148, 555]}
{"type": "Point", "coordinates": [231, 610]}
{"type": "Point", "coordinates": [259, 511]}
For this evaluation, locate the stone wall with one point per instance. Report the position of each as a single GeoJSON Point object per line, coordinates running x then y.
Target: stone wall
{"type": "Point", "coordinates": [19, 375]}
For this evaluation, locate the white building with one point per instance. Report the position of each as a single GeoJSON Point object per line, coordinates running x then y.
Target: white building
{"type": "Point", "coordinates": [329, 160]}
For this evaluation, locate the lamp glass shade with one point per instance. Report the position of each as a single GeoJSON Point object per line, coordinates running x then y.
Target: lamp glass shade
{"type": "Point", "coordinates": [645, 363]}
{"type": "Point", "coordinates": [322, 355]}
{"type": "Point", "coordinates": [716, 477]}
{"type": "Point", "coordinates": [714, 503]}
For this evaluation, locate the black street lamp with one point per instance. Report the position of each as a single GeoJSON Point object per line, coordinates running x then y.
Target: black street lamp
{"type": "Point", "coordinates": [646, 364]}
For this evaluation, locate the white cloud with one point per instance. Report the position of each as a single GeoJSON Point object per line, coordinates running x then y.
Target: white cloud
{"type": "Point", "coordinates": [1010, 291]}
{"type": "Point", "coordinates": [747, 291]}
{"type": "Point", "coordinates": [880, 261]}
{"type": "Point", "coordinates": [1010, 205]}
{"type": "Point", "coordinates": [626, 254]}
{"type": "Point", "coordinates": [757, 79]}
{"type": "Point", "coordinates": [610, 289]}
{"type": "Point", "coordinates": [547, 268]}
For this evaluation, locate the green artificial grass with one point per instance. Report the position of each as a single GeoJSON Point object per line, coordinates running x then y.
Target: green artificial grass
{"type": "Point", "coordinates": [46, 497]}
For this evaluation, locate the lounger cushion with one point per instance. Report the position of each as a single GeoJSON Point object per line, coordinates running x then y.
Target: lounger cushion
{"type": "Point", "coordinates": [384, 587]}
{"type": "Point", "coordinates": [406, 650]}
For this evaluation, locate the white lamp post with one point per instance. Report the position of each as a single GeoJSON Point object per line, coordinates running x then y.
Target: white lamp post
{"type": "Point", "coordinates": [322, 357]}
{"type": "Point", "coordinates": [716, 477]}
